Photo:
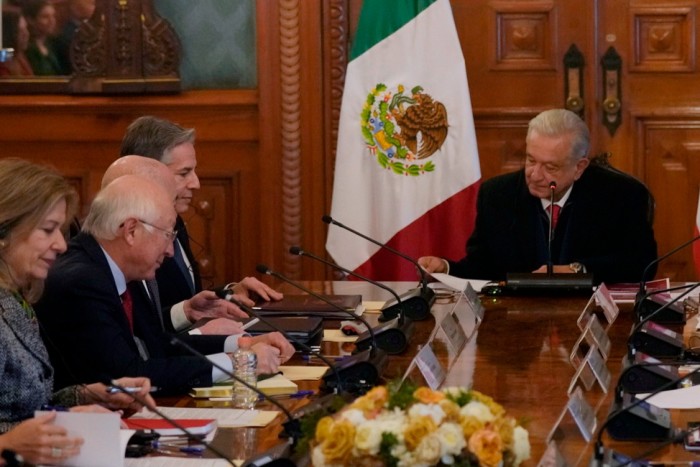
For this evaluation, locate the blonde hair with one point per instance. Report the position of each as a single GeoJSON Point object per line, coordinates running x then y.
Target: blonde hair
{"type": "Point", "coordinates": [27, 193]}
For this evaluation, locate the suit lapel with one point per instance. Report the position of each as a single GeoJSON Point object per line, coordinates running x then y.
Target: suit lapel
{"type": "Point", "coordinates": [184, 238]}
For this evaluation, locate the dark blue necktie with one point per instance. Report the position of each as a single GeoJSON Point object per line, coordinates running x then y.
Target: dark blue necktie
{"type": "Point", "coordinates": [180, 261]}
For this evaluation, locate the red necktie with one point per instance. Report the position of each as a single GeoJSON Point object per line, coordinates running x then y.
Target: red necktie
{"type": "Point", "coordinates": [554, 211]}
{"type": "Point", "coordinates": [128, 308]}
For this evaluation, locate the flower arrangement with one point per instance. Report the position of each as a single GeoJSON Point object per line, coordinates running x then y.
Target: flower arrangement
{"type": "Point", "coordinates": [402, 425]}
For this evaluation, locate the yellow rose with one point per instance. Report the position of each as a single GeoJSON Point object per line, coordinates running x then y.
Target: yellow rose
{"type": "Point", "coordinates": [504, 426]}
{"type": "Point", "coordinates": [496, 408]}
{"type": "Point", "coordinates": [470, 425]}
{"type": "Point", "coordinates": [451, 410]}
{"type": "Point", "coordinates": [338, 443]}
{"type": "Point", "coordinates": [323, 427]}
{"type": "Point", "coordinates": [417, 429]}
{"type": "Point", "coordinates": [427, 395]}
{"type": "Point", "coordinates": [487, 446]}
{"type": "Point", "coordinates": [373, 401]}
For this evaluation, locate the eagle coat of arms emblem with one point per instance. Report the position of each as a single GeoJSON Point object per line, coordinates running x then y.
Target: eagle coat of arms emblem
{"type": "Point", "coordinates": [403, 130]}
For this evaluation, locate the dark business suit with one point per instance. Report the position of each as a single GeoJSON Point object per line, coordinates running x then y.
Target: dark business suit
{"type": "Point", "coordinates": [88, 335]}
{"type": "Point", "coordinates": [605, 225]}
{"type": "Point", "coordinates": [172, 285]}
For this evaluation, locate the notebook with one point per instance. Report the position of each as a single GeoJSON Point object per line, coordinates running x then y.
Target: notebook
{"type": "Point", "coordinates": [307, 305]}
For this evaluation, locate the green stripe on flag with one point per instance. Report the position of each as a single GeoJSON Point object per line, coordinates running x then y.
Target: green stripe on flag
{"type": "Point", "coordinates": [381, 18]}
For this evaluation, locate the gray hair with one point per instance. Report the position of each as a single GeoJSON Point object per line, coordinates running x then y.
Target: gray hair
{"type": "Point", "coordinates": [560, 122]}
{"type": "Point", "coordinates": [154, 137]}
{"type": "Point", "coordinates": [128, 197]}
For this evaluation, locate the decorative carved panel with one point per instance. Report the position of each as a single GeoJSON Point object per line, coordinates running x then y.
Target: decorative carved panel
{"type": "Point", "coordinates": [523, 37]}
{"type": "Point", "coordinates": [501, 142]}
{"type": "Point", "coordinates": [671, 149]}
{"type": "Point", "coordinates": [663, 39]}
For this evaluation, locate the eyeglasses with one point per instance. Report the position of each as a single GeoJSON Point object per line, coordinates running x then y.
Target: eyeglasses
{"type": "Point", "coordinates": [169, 234]}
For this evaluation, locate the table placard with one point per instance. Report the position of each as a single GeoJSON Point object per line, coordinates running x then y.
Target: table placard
{"type": "Point", "coordinates": [595, 334]}
{"type": "Point", "coordinates": [589, 309]}
{"type": "Point", "coordinates": [475, 302]}
{"type": "Point", "coordinates": [552, 456]}
{"type": "Point", "coordinates": [582, 414]}
{"type": "Point", "coordinates": [600, 369]}
{"type": "Point", "coordinates": [606, 302]}
{"type": "Point", "coordinates": [430, 367]}
{"type": "Point", "coordinates": [456, 337]}
{"type": "Point", "coordinates": [583, 373]}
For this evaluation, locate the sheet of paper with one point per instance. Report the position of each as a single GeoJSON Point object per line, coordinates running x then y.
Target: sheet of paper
{"type": "Point", "coordinates": [225, 417]}
{"type": "Point", "coordinates": [175, 462]}
{"type": "Point", "coordinates": [458, 283]}
{"type": "Point", "coordinates": [684, 398]}
{"type": "Point", "coordinates": [104, 444]}
{"type": "Point", "coordinates": [373, 306]}
{"type": "Point", "coordinates": [336, 335]}
{"type": "Point", "coordinates": [303, 373]}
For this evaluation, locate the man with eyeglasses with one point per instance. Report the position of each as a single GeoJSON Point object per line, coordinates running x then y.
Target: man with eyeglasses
{"type": "Point", "coordinates": [179, 280]}
{"type": "Point", "coordinates": [93, 328]}
{"type": "Point", "coordinates": [601, 217]}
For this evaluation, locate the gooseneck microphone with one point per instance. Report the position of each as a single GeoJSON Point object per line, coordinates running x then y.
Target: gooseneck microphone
{"type": "Point", "coordinates": [550, 232]}
{"type": "Point", "coordinates": [389, 313]}
{"type": "Point", "coordinates": [358, 372]}
{"type": "Point", "coordinates": [391, 337]}
{"type": "Point", "coordinates": [226, 294]}
{"type": "Point", "coordinates": [621, 426]}
{"type": "Point", "coordinates": [641, 303]}
{"type": "Point", "coordinates": [185, 431]}
{"type": "Point", "coordinates": [418, 310]}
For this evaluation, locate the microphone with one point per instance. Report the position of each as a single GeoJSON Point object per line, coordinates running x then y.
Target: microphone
{"type": "Point", "coordinates": [649, 303]}
{"type": "Point", "coordinates": [643, 282]}
{"type": "Point", "coordinates": [391, 337]}
{"type": "Point", "coordinates": [644, 373]}
{"type": "Point", "coordinates": [638, 420]}
{"type": "Point", "coordinates": [550, 230]}
{"type": "Point", "coordinates": [185, 431]}
{"type": "Point", "coordinates": [354, 374]}
{"type": "Point", "coordinates": [292, 426]}
{"type": "Point", "coordinates": [654, 339]}
{"type": "Point", "coordinates": [417, 301]}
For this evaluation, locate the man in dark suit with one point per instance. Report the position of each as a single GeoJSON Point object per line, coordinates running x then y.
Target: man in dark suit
{"type": "Point", "coordinates": [95, 329]}
{"type": "Point", "coordinates": [602, 221]}
{"type": "Point", "coordinates": [179, 281]}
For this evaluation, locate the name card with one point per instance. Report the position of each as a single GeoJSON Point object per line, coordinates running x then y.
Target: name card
{"type": "Point", "coordinates": [582, 414]}
{"type": "Point", "coordinates": [430, 367]}
{"type": "Point", "coordinates": [452, 328]}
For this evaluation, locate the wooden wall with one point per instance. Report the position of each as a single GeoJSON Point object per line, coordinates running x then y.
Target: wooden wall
{"type": "Point", "coordinates": [266, 155]}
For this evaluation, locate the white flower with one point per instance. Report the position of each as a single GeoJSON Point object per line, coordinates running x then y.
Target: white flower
{"type": "Point", "coordinates": [478, 410]}
{"type": "Point", "coordinates": [521, 445]}
{"type": "Point", "coordinates": [451, 439]}
{"type": "Point", "coordinates": [317, 457]}
{"type": "Point", "coordinates": [433, 411]}
{"type": "Point", "coordinates": [428, 450]}
{"type": "Point", "coordinates": [368, 437]}
{"type": "Point", "coordinates": [354, 416]}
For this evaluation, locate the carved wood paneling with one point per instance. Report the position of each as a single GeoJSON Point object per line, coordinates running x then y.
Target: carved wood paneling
{"type": "Point", "coordinates": [670, 149]}
{"type": "Point", "coordinates": [663, 39]}
{"type": "Point", "coordinates": [523, 36]}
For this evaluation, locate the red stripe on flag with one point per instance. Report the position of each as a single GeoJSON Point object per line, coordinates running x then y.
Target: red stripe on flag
{"type": "Point", "coordinates": [443, 231]}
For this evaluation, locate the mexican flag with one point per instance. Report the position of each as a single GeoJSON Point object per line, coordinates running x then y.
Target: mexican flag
{"type": "Point", "coordinates": [407, 168]}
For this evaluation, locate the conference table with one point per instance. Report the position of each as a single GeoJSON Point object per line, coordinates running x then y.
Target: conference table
{"type": "Point", "coordinates": [519, 355]}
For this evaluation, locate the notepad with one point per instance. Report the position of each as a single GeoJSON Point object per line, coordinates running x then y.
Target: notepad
{"type": "Point", "coordinates": [165, 428]}
{"type": "Point", "coordinates": [275, 386]}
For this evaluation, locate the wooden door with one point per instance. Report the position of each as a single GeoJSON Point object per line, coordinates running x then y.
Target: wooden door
{"type": "Point", "coordinates": [515, 52]}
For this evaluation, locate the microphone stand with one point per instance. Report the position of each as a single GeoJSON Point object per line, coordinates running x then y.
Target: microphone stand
{"type": "Point", "coordinates": [393, 336]}
{"type": "Point", "coordinates": [387, 313]}
{"type": "Point", "coordinates": [644, 305]}
{"type": "Point", "coordinates": [185, 431]}
{"type": "Point", "coordinates": [426, 295]}
{"type": "Point", "coordinates": [638, 326]}
{"type": "Point", "coordinates": [366, 373]}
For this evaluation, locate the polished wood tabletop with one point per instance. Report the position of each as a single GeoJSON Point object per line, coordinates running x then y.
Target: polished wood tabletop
{"type": "Point", "coordinates": [519, 355]}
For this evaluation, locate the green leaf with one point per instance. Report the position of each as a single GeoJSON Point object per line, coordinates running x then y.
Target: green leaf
{"type": "Point", "coordinates": [382, 159]}
{"type": "Point", "coordinates": [413, 170]}
{"type": "Point", "coordinates": [429, 166]}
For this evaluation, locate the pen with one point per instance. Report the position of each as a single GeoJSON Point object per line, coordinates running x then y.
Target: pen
{"type": "Point", "coordinates": [128, 389]}
{"type": "Point", "coordinates": [54, 408]}
{"type": "Point", "coordinates": [334, 358]}
{"type": "Point", "coordinates": [250, 323]}
{"type": "Point", "coordinates": [196, 449]}
{"type": "Point", "coordinates": [296, 395]}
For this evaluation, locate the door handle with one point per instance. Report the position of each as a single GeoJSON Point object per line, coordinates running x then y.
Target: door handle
{"type": "Point", "coordinates": [612, 99]}
{"type": "Point", "coordinates": [573, 80]}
